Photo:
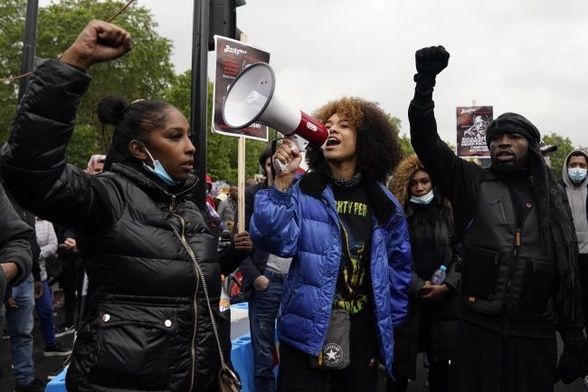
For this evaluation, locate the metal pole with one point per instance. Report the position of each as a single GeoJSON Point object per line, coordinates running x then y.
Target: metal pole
{"type": "Point", "coordinates": [199, 94]}
{"type": "Point", "coordinates": [29, 43]}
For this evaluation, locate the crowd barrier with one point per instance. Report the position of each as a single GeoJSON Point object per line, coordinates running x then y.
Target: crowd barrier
{"type": "Point", "coordinates": [241, 353]}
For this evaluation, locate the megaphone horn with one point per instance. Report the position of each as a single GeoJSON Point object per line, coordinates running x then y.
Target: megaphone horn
{"type": "Point", "coordinates": [251, 99]}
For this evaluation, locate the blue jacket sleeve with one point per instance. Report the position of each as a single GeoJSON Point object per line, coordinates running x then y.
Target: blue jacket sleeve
{"type": "Point", "coordinates": [274, 225]}
{"type": "Point", "coordinates": [400, 259]}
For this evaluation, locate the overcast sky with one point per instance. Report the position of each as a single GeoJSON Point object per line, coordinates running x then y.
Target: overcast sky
{"type": "Point", "coordinates": [525, 56]}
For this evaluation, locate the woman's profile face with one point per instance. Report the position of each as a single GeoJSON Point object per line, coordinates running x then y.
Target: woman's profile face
{"type": "Point", "coordinates": [171, 145]}
{"type": "Point", "coordinates": [420, 183]}
{"type": "Point", "coordinates": [342, 141]}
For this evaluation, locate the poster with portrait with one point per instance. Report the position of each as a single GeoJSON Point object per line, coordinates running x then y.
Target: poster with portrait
{"type": "Point", "coordinates": [231, 57]}
{"type": "Point", "coordinates": [472, 122]}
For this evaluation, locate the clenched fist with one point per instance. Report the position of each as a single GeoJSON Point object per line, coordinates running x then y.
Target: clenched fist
{"type": "Point", "coordinates": [98, 42]}
{"type": "Point", "coordinates": [431, 61]}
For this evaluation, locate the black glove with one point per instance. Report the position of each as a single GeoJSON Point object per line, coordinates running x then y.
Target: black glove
{"type": "Point", "coordinates": [573, 362]}
{"type": "Point", "coordinates": [430, 62]}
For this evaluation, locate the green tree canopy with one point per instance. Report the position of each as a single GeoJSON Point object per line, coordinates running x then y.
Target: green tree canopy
{"type": "Point", "coordinates": [12, 14]}
{"type": "Point", "coordinates": [146, 72]}
{"type": "Point", "coordinates": [557, 158]}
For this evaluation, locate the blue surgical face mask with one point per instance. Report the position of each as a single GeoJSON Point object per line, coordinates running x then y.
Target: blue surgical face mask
{"type": "Point", "coordinates": [577, 174]}
{"type": "Point", "coordinates": [424, 199]}
{"type": "Point", "coordinates": [158, 170]}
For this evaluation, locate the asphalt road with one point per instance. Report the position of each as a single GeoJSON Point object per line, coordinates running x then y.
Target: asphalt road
{"type": "Point", "coordinates": [45, 366]}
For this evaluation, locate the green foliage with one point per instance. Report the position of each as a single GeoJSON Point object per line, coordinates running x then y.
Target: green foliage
{"type": "Point", "coordinates": [557, 158]}
{"type": "Point", "coordinates": [146, 72]}
{"type": "Point", "coordinates": [12, 15]}
{"type": "Point", "coordinates": [405, 145]}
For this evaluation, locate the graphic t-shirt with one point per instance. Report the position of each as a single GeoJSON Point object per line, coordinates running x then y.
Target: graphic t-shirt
{"type": "Point", "coordinates": [355, 216]}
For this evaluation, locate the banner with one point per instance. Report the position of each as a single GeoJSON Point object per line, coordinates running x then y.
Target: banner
{"type": "Point", "coordinates": [472, 122]}
{"type": "Point", "coordinates": [231, 57]}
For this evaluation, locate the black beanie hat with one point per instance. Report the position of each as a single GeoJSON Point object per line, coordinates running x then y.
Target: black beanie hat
{"type": "Point", "coordinates": [513, 123]}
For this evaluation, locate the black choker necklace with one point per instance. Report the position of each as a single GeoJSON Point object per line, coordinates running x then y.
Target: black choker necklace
{"type": "Point", "coordinates": [353, 181]}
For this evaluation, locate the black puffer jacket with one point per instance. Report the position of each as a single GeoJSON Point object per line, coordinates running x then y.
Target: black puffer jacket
{"type": "Point", "coordinates": [147, 327]}
{"type": "Point", "coordinates": [428, 327]}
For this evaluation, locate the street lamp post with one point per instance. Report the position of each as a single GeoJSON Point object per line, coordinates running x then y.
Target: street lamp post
{"type": "Point", "coordinates": [29, 43]}
{"type": "Point", "coordinates": [199, 94]}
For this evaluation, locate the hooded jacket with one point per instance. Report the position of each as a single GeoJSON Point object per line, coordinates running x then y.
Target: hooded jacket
{"type": "Point", "coordinates": [443, 314]}
{"type": "Point", "coordinates": [14, 243]}
{"type": "Point", "coordinates": [577, 198]}
{"type": "Point", "coordinates": [302, 223]}
{"type": "Point", "coordinates": [147, 326]}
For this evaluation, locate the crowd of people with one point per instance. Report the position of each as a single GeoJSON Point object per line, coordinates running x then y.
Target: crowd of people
{"type": "Point", "coordinates": [337, 260]}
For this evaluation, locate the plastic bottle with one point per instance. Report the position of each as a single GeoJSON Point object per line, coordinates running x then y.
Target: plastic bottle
{"type": "Point", "coordinates": [439, 275]}
{"type": "Point", "coordinates": [225, 299]}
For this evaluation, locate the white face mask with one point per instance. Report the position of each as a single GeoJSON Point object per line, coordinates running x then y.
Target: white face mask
{"type": "Point", "coordinates": [424, 199]}
{"type": "Point", "coordinates": [577, 174]}
{"type": "Point", "coordinates": [159, 170]}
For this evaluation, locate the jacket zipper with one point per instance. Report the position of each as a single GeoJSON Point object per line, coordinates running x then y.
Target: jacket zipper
{"type": "Point", "coordinates": [200, 278]}
{"type": "Point", "coordinates": [182, 238]}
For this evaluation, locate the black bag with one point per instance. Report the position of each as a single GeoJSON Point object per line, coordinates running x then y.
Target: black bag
{"type": "Point", "coordinates": [53, 267]}
{"type": "Point", "coordinates": [228, 380]}
{"type": "Point", "coordinates": [336, 351]}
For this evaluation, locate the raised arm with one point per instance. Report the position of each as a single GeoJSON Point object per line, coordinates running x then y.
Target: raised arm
{"type": "Point", "coordinates": [34, 166]}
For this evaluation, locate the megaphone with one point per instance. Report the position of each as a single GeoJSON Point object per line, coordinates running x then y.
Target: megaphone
{"type": "Point", "coordinates": [251, 98]}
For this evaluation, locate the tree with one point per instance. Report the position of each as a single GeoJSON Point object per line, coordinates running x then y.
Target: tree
{"type": "Point", "coordinates": [146, 72]}
{"type": "Point", "coordinates": [12, 16]}
{"type": "Point", "coordinates": [557, 158]}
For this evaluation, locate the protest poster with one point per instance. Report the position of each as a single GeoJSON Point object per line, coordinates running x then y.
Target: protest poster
{"type": "Point", "coordinates": [231, 58]}
{"type": "Point", "coordinates": [472, 122]}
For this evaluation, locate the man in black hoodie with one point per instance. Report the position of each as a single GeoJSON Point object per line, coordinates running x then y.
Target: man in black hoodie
{"type": "Point", "coordinates": [519, 269]}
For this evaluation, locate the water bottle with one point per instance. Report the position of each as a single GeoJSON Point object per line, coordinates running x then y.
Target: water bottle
{"type": "Point", "coordinates": [439, 275]}
{"type": "Point", "coordinates": [225, 299]}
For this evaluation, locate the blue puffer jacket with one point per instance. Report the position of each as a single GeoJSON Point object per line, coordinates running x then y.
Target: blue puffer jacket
{"type": "Point", "coordinates": [302, 223]}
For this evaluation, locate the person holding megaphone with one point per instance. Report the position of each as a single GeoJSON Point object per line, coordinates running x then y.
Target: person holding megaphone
{"type": "Point", "coordinates": [349, 243]}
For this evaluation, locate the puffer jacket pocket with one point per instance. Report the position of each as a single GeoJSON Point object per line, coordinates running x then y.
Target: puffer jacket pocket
{"type": "Point", "coordinates": [134, 345]}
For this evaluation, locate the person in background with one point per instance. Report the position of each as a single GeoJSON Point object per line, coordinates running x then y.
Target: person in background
{"type": "Point", "coordinates": [227, 209]}
{"type": "Point", "coordinates": [349, 244]}
{"type": "Point", "coordinates": [432, 311]}
{"type": "Point", "coordinates": [71, 280]}
{"type": "Point", "coordinates": [574, 182]}
{"type": "Point", "coordinates": [19, 308]}
{"type": "Point", "coordinates": [47, 241]}
{"type": "Point", "coordinates": [16, 258]}
{"type": "Point", "coordinates": [219, 198]}
{"type": "Point", "coordinates": [96, 164]}
{"type": "Point", "coordinates": [263, 280]}
{"type": "Point", "coordinates": [153, 320]}
{"type": "Point", "coordinates": [209, 197]}
{"type": "Point", "coordinates": [519, 274]}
